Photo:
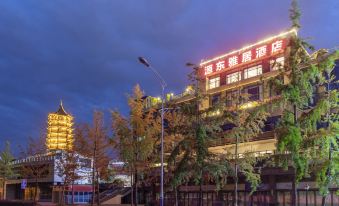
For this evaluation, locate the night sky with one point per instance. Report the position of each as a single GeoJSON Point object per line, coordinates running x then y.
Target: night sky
{"type": "Point", "coordinates": [85, 51]}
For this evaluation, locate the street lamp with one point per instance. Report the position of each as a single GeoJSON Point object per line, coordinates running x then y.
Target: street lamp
{"type": "Point", "coordinates": [163, 85]}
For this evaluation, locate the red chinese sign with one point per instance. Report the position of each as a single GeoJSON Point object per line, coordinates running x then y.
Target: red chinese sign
{"type": "Point", "coordinates": [244, 56]}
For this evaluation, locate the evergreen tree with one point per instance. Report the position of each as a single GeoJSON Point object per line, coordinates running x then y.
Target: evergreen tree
{"type": "Point", "coordinates": [6, 167]}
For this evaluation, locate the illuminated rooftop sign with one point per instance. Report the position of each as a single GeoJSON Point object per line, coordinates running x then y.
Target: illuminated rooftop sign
{"type": "Point", "coordinates": [262, 49]}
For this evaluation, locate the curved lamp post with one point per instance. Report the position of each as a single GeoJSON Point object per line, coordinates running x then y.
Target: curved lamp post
{"type": "Point", "coordinates": [163, 85]}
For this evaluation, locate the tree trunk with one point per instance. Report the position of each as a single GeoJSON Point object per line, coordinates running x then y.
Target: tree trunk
{"type": "Point", "coordinates": [294, 190]}
{"type": "Point", "coordinates": [62, 198]}
{"type": "Point", "coordinates": [3, 188]}
{"type": "Point", "coordinates": [98, 189]}
{"type": "Point", "coordinates": [200, 193]}
{"type": "Point", "coordinates": [93, 171]}
{"type": "Point", "coordinates": [132, 190]}
{"type": "Point", "coordinates": [323, 200]}
{"type": "Point", "coordinates": [176, 196]}
{"type": "Point", "coordinates": [236, 172]}
{"type": "Point", "coordinates": [136, 187]}
{"type": "Point", "coordinates": [328, 172]}
{"type": "Point", "coordinates": [36, 189]}
{"type": "Point", "coordinates": [93, 186]}
{"type": "Point", "coordinates": [72, 192]}
{"type": "Point", "coordinates": [294, 184]}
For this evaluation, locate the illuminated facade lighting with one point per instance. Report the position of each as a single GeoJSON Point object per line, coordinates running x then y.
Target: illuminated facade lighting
{"type": "Point", "coordinates": [235, 61]}
{"type": "Point", "coordinates": [59, 130]}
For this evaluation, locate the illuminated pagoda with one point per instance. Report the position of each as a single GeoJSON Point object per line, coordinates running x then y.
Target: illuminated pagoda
{"type": "Point", "coordinates": [59, 130]}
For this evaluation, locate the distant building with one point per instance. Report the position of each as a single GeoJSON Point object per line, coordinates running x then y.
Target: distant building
{"type": "Point", "coordinates": [50, 180]}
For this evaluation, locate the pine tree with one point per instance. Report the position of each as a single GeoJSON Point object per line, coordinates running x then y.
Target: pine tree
{"type": "Point", "coordinates": [137, 137]}
{"type": "Point", "coordinates": [6, 167]}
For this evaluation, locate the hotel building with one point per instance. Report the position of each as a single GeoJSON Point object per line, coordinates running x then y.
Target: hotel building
{"type": "Point", "coordinates": [248, 70]}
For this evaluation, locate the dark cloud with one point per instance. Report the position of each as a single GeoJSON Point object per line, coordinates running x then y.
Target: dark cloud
{"type": "Point", "coordinates": [84, 51]}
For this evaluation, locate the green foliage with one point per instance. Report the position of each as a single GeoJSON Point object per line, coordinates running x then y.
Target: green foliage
{"type": "Point", "coordinates": [307, 136]}
{"type": "Point", "coordinates": [137, 136]}
{"type": "Point", "coordinates": [190, 159]}
{"type": "Point", "coordinates": [6, 166]}
{"type": "Point", "coordinates": [295, 14]}
{"type": "Point", "coordinates": [196, 129]}
{"type": "Point", "coordinates": [247, 167]}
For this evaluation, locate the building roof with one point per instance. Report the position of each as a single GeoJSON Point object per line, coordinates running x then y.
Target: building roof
{"type": "Point", "coordinates": [61, 110]}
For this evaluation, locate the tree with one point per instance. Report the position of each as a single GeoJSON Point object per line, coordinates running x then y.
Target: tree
{"type": "Point", "coordinates": [35, 168]}
{"type": "Point", "coordinates": [93, 142]}
{"type": "Point", "coordinates": [308, 131]}
{"type": "Point", "coordinates": [6, 167]}
{"type": "Point", "coordinates": [136, 137]}
{"type": "Point", "coordinates": [246, 123]}
{"type": "Point", "coordinates": [68, 168]}
{"type": "Point", "coordinates": [195, 128]}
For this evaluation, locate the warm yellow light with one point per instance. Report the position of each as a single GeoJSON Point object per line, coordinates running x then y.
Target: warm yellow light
{"type": "Point", "coordinates": [249, 105]}
{"type": "Point", "coordinates": [59, 130]}
{"type": "Point", "coordinates": [189, 89]}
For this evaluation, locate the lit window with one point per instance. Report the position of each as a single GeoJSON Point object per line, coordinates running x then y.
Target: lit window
{"type": "Point", "coordinates": [234, 77]}
{"type": "Point", "coordinates": [278, 63]}
{"type": "Point", "coordinates": [214, 82]}
{"type": "Point", "coordinates": [252, 72]}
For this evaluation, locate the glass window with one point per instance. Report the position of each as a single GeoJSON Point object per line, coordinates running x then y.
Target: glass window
{"type": "Point", "coordinates": [86, 197]}
{"type": "Point", "coordinates": [278, 63]}
{"type": "Point", "coordinates": [214, 82]}
{"type": "Point", "coordinates": [215, 99]}
{"type": "Point", "coordinates": [234, 77]}
{"type": "Point", "coordinates": [76, 197]}
{"type": "Point", "coordinates": [252, 72]}
{"type": "Point", "coordinates": [232, 97]}
{"type": "Point", "coordinates": [253, 93]}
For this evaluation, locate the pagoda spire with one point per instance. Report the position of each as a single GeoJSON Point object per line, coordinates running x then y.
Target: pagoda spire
{"type": "Point", "coordinates": [61, 109]}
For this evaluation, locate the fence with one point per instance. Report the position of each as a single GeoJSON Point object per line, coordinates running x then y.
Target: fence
{"type": "Point", "coordinates": [259, 198]}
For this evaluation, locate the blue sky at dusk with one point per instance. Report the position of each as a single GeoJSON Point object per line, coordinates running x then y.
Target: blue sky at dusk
{"type": "Point", "coordinates": [85, 51]}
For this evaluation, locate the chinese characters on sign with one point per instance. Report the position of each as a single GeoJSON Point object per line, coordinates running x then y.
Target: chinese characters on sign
{"type": "Point", "coordinates": [272, 48]}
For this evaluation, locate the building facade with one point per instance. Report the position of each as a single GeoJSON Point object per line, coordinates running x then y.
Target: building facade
{"type": "Point", "coordinates": [248, 71]}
